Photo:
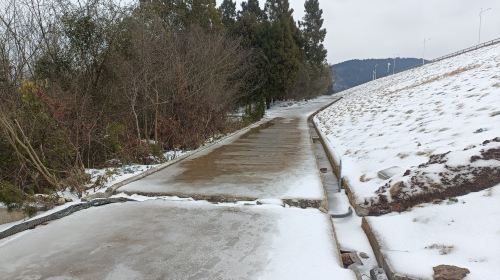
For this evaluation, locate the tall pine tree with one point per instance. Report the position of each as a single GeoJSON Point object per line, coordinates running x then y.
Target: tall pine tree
{"type": "Point", "coordinates": [204, 13]}
{"type": "Point", "coordinates": [313, 34]}
{"type": "Point", "coordinates": [228, 12]}
{"type": "Point", "coordinates": [250, 27]}
{"type": "Point", "coordinates": [253, 7]}
{"type": "Point", "coordinates": [281, 48]}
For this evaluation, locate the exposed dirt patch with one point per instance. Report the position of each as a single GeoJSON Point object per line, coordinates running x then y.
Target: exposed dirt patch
{"type": "Point", "coordinates": [421, 185]}
{"type": "Point", "coordinates": [303, 203]}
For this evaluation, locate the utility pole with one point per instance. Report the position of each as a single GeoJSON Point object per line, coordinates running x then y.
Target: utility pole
{"type": "Point", "coordinates": [388, 68]}
{"type": "Point", "coordinates": [375, 72]}
{"type": "Point", "coordinates": [480, 22]}
{"type": "Point", "coordinates": [423, 54]}
{"type": "Point", "coordinates": [394, 67]}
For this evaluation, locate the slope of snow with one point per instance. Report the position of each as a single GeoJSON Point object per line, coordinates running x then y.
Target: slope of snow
{"type": "Point", "coordinates": [463, 232]}
{"type": "Point", "coordinates": [400, 122]}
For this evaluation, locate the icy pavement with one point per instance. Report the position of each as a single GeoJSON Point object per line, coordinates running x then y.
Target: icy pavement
{"type": "Point", "coordinates": [273, 160]}
{"type": "Point", "coordinates": [159, 239]}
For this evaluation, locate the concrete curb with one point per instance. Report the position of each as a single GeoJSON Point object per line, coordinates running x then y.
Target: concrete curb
{"type": "Point", "coordinates": [310, 121]}
{"type": "Point", "coordinates": [360, 211]}
{"type": "Point", "coordinates": [59, 214]}
{"type": "Point", "coordinates": [377, 250]}
{"type": "Point", "coordinates": [381, 260]}
{"type": "Point", "coordinates": [334, 233]}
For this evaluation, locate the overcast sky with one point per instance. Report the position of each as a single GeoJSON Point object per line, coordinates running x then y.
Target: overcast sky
{"type": "Point", "coordinates": [388, 28]}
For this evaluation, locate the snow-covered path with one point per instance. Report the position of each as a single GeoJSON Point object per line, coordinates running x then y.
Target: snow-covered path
{"type": "Point", "coordinates": [170, 238]}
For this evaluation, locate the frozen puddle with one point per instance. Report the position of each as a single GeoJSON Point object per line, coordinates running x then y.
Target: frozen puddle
{"type": "Point", "coordinates": [159, 239]}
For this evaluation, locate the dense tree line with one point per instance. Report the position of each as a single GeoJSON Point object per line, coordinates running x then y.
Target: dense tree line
{"type": "Point", "coordinates": [89, 83]}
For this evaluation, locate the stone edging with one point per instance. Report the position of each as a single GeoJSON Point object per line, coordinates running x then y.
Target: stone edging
{"type": "Point", "coordinates": [360, 211]}
{"type": "Point", "coordinates": [59, 214]}
{"type": "Point", "coordinates": [377, 250]}
{"type": "Point", "coordinates": [334, 233]}
{"type": "Point", "coordinates": [381, 260]}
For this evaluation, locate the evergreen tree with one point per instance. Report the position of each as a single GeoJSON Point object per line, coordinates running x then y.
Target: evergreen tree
{"type": "Point", "coordinates": [204, 13]}
{"type": "Point", "coordinates": [249, 24]}
{"type": "Point", "coordinates": [313, 34]}
{"type": "Point", "coordinates": [174, 13]}
{"type": "Point", "coordinates": [252, 7]}
{"type": "Point", "coordinates": [228, 12]}
{"type": "Point", "coordinates": [281, 48]}
{"type": "Point", "coordinates": [250, 27]}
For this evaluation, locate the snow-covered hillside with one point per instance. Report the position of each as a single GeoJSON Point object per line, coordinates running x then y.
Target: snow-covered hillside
{"type": "Point", "coordinates": [407, 142]}
{"type": "Point", "coordinates": [431, 132]}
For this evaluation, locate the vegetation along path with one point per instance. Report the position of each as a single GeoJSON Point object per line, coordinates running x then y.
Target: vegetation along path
{"type": "Point", "coordinates": [244, 231]}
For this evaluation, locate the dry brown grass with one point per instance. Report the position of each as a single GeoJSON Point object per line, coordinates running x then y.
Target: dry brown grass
{"type": "Point", "coordinates": [461, 70]}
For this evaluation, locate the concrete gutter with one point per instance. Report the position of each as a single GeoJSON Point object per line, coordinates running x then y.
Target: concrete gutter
{"type": "Point", "coordinates": [325, 206]}
{"type": "Point", "coordinates": [381, 260]}
{"type": "Point", "coordinates": [360, 211]}
{"type": "Point", "coordinates": [379, 255]}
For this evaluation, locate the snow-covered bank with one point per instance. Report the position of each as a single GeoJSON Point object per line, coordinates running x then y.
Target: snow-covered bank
{"type": "Point", "coordinates": [430, 130]}
{"type": "Point", "coordinates": [463, 232]}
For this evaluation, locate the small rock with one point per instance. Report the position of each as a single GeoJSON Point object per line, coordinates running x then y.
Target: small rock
{"type": "Point", "coordinates": [61, 201]}
{"type": "Point", "coordinates": [68, 199]}
{"type": "Point", "coordinates": [378, 273]}
{"type": "Point", "coordinates": [389, 172]}
{"type": "Point", "coordinates": [94, 196]}
{"type": "Point", "coordinates": [346, 259]}
{"type": "Point", "coordinates": [364, 255]}
{"type": "Point", "coordinates": [449, 272]}
{"type": "Point", "coordinates": [395, 189]}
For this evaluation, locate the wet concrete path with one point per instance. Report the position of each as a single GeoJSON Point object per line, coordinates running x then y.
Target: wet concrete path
{"type": "Point", "coordinates": [273, 160]}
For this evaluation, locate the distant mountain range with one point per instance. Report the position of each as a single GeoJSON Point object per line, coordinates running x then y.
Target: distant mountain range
{"type": "Point", "coordinates": [351, 73]}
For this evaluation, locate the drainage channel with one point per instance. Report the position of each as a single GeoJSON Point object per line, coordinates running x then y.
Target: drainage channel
{"type": "Point", "coordinates": [355, 249]}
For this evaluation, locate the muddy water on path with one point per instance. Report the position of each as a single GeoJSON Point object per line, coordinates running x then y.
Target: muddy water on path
{"type": "Point", "coordinates": [268, 148]}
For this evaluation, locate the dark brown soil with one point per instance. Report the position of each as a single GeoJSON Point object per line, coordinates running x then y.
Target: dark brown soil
{"type": "Point", "coordinates": [455, 181]}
